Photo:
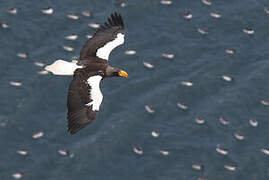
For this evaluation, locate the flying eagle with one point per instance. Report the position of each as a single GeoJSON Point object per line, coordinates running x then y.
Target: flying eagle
{"type": "Point", "coordinates": [84, 94]}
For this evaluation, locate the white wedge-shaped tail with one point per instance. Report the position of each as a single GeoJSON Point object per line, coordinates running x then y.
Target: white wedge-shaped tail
{"type": "Point", "coordinates": [61, 67]}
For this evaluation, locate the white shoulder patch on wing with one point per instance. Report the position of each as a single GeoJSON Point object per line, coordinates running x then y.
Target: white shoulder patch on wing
{"type": "Point", "coordinates": [104, 51]}
{"type": "Point", "coordinates": [95, 92]}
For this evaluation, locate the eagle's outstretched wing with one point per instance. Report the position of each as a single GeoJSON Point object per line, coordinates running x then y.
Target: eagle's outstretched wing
{"type": "Point", "coordinates": [83, 101]}
{"type": "Point", "coordinates": [107, 37]}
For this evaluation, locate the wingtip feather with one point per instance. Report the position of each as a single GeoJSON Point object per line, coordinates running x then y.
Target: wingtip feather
{"type": "Point", "coordinates": [115, 19]}
{"type": "Point", "coordinates": [80, 119]}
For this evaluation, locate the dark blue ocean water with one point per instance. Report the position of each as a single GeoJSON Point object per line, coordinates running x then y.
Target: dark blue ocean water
{"type": "Point", "coordinates": [104, 149]}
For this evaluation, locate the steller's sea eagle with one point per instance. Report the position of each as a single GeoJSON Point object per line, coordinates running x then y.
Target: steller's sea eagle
{"type": "Point", "coordinates": [84, 94]}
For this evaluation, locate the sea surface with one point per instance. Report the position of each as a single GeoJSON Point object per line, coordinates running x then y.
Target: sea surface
{"type": "Point", "coordinates": [195, 104]}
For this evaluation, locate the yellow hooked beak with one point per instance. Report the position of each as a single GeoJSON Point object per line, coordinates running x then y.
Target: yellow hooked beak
{"type": "Point", "coordinates": [123, 74]}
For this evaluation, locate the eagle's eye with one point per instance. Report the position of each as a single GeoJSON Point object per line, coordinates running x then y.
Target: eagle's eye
{"type": "Point", "coordinates": [101, 73]}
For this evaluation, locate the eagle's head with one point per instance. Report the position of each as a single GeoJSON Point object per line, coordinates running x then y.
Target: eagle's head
{"type": "Point", "coordinates": [111, 72]}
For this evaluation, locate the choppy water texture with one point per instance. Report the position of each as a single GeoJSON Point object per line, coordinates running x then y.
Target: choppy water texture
{"type": "Point", "coordinates": [200, 102]}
